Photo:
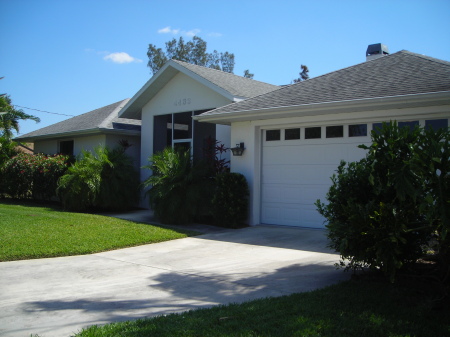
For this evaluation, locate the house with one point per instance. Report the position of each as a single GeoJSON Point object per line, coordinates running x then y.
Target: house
{"type": "Point", "coordinates": [296, 136]}
{"type": "Point", "coordinates": [84, 132]}
{"type": "Point", "coordinates": [157, 116]}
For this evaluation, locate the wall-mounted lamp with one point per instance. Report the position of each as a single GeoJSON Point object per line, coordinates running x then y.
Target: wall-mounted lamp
{"type": "Point", "coordinates": [238, 150]}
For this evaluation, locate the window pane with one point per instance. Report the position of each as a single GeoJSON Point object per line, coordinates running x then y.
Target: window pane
{"type": "Point", "coordinates": [411, 125]}
{"type": "Point", "coordinates": [272, 135]}
{"type": "Point", "coordinates": [290, 134]}
{"type": "Point", "coordinates": [335, 131]}
{"type": "Point", "coordinates": [377, 126]}
{"type": "Point", "coordinates": [182, 125]}
{"type": "Point", "coordinates": [66, 147]}
{"type": "Point", "coordinates": [357, 130]}
{"type": "Point", "coordinates": [311, 133]}
{"type": "Point", "coordinates": [436, 124]}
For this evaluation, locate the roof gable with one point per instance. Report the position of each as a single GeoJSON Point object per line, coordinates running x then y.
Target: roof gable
{"type": "Point", "coordinates": [226, 84]}
{"type": "Point", "coordinates": [105, 118]}
{"type": "Point", "coordinates": [399, 74]}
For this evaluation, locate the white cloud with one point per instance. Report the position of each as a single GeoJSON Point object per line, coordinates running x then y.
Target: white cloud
{"type": "Point", "coordinates": [121, 58]}
{"type": "Point", "coordinates": [168, 30]}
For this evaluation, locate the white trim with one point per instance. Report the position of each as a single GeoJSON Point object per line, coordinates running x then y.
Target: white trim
{"type": "Point", "coordinates": [329, 108]}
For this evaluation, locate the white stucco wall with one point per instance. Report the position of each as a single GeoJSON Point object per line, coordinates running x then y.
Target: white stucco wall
{"type": "Point", "coordinates": [88, 143]}
{"type": "Point", "coordinates": [250, 133]}
{"type": "Point", "coordinates": [46, 146]}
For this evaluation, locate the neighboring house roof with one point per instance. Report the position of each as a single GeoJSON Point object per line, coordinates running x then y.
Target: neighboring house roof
{"type": "Point", "coordinates": [398, 75]}
{"type": "Point", "coordinates": [104, 119]}
{"type": "Point", "coordinates": [232, 86]}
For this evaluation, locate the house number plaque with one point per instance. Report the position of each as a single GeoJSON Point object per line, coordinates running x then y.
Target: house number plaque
{"type": "Point", "coordinates": [182, 101]}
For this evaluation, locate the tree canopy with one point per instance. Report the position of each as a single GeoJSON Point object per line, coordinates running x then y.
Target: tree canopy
{"type": "Point", "coordinates": [10, 117]}
{"type": "Point", "coordinates": [191, 52]}
{"type": "Point", "coordinates": [303, 74]}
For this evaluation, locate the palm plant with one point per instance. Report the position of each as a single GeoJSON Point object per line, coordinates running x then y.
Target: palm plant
{"type": "Point", "coordinates": [103, 179]}
{"type": "Point", "coordinates": [9, 117]}
{"type": "Point", "coordinates": [178, 189]}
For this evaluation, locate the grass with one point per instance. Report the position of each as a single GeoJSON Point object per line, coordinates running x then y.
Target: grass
{"type": "Point", "coordinates": [30, 231]}
{"type": "Point", "coordinates": [353, 308]}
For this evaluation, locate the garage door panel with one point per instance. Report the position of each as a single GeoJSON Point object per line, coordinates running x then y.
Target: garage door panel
{"type": "Point", "coordinates": [294, 176]}
{"type": "Point", "coordinates": [293, 193]}
{"type": "Point", "coordinates": [292, 215]}
{"type": "Point", "coordinates": [298, 174]}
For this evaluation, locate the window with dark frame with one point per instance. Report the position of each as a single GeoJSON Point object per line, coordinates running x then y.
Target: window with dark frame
{"type": "Point", "coordinates": [313, 133]}
{"type": "Point", "coordinates": [66, 147]}
{"type": "Point", "coordinates": [272, 135]}
{"type": "Point", "coordinates": [335, 131]}
{"type": "Point", "coordinates": [292, 134]}
{"type": "Point", "coordinates": [411, 124]}
{"type": "Point", "coordinates": [357, 130]}
{"type": "Point", "coordinates": [436, 124]}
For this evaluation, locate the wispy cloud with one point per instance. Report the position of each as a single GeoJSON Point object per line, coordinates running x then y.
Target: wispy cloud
{"type": "Point", "coordinates": [168, 30]}
{"type": "Point", "coordinates": [192, 32]}
{"type": "Point", "coordinates": [121, 58]}
{"type": "Point", "coordinates": [173, 31]}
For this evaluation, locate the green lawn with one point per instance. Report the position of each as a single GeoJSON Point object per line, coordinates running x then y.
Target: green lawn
{"type": "Point", "coordinates": [28, 231]}
{"type": "Point", "coordinates": [356, 308]}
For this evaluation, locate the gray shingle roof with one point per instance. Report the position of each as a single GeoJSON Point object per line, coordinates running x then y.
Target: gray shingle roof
{"type": "Point", "coordinates": [234, 84]}
{"type": "Point", "coordinates": [401, 73]}
{"type": "Point", "coordinates": [105, 118]}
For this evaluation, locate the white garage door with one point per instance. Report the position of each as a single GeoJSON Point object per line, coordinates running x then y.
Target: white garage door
{"type": "Point", "coordinates": [296, 171]}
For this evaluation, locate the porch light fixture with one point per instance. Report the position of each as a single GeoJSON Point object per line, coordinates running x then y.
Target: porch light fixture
{"type": "Point", "coordinates": [238, 150]}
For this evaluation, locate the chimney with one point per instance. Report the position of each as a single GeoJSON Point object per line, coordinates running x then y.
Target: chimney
{"type": "Point", "coordinates": [376, 50]}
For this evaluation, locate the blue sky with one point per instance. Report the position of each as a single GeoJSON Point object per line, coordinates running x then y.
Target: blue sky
{"type": "Point", "coordinates": [70, 57]}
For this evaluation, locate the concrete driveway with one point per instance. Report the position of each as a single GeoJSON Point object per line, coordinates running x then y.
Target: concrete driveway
{"type": "Point", "coordinates": [60, 296]}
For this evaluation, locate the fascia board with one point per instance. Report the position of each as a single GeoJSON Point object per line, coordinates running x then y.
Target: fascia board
{"type": "Point", "coordinates": [59, 135]}
{"type": "Point", "coordinates": [367, 104]}
{"type": "Point", "coordinates": [139, 99]}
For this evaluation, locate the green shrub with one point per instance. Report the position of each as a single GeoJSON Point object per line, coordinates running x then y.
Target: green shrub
{"type": "Point", "coordinates": [104, 179]}
{"type": "Point", "coordinates": [384, 209]}
{"type": "Point", "coordinates": [178, 189]}
{"type": "Point", "coordinates": [32, 176]}
{"type": "Point", "coordinates": [230, 201]}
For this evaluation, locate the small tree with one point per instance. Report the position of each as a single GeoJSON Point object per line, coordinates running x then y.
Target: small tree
{"type": "Point", "coordinates": [303, 74]}
{"type": "Point", "coordinates": [248, 74]}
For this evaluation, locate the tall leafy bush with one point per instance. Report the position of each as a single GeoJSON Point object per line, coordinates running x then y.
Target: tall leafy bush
{"type": "Point", "coordinates": [230, 201]}
{"type": "Point", "coordinates": [384, 209]}
{"type": "Point", "coordinates": [102, 179]}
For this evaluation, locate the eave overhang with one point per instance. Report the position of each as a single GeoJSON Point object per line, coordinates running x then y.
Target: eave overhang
{"type": "Point", "coordinates": [336, 107]}
{"type": "Point", "coordinates": [79, 133]}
